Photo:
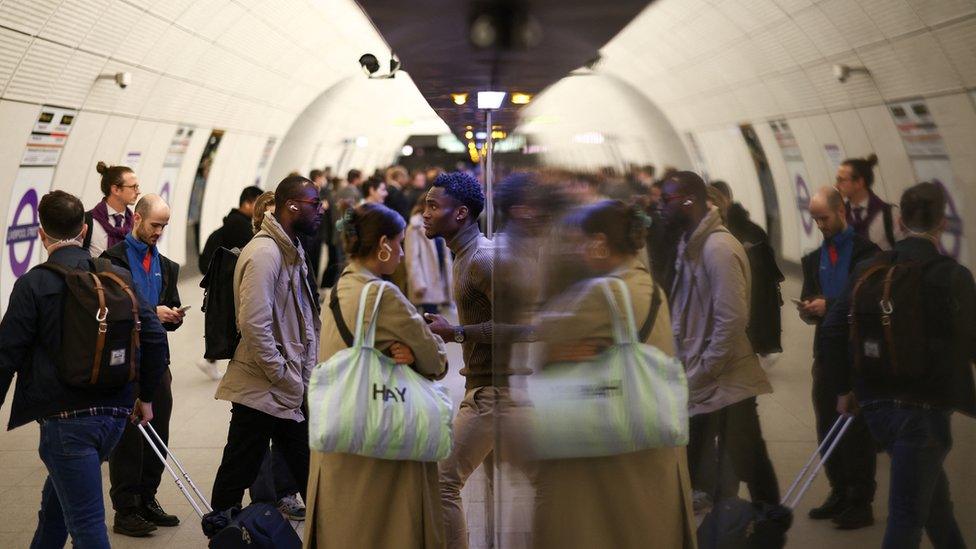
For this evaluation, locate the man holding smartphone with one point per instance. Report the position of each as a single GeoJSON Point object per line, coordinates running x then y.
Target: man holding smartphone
{"type": "Point", "coordinates": [826, 271]}
{"type": "Point", "coordinates": [134, 469]}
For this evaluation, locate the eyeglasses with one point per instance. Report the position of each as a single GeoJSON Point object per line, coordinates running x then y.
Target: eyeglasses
{"type": "Point", "coordinates": [668, 198]}
{"type": "Point", "coordinates": [316, 203]}
{"type": "Point", "coordinates": [136, 187]}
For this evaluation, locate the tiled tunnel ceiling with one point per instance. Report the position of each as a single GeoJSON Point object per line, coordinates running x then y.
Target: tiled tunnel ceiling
{"type": "Point", "coordinates": [432, 39]}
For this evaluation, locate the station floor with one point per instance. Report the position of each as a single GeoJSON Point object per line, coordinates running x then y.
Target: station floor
{"type": "Point", "coordinates": [199, 430]}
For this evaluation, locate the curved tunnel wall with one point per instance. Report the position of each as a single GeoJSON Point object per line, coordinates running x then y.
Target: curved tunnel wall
{"type": "Point", "coordinates": [713, 65]}
{"type": "Point", "coordinates": [246, 68]}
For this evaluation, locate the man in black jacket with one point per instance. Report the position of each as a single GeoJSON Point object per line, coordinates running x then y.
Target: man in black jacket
{"type": "Point", "coordinates": [910, 414]}
{"type": "Point", "coordinates": [134, 469]}
{"type": "Point", "coordinates": [826, 271]}
{"type": "Point", "coordinates": [78, 427]}
{"type": "Point", "coordinates": [236, 231]}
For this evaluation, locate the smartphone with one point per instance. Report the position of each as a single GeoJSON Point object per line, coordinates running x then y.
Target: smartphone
{"type": "Point", "coordinates": [184, 308]}
{"type": "Point", "coordinates": [796, 301]}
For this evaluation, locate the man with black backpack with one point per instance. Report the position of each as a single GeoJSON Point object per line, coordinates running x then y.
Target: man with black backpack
{"type": "Point", "coordinates": [78, 340]}
{"type": "Point", "coordinates": [900, 344]}
{"type": "Point", "coordinates": [134, 470]}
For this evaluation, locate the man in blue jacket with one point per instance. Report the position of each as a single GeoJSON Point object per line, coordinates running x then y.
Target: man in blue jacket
{"type": "Point", "coordinates": [78, 427]}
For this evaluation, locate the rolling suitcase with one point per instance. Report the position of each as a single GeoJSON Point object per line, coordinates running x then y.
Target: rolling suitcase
{"type": "Point", "coordinates": [735, 523]}
{"type": "Point", "coordinates": [257, 526]}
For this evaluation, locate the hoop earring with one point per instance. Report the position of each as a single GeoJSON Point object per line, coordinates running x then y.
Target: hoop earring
{"type": "Point", "coordinates": [381, 258]}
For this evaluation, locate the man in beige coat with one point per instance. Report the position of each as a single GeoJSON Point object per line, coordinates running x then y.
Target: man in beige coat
{"type": "Point", "coordinates": [710, 314]}
{"type": "Point", "coordinates": [277, 317]}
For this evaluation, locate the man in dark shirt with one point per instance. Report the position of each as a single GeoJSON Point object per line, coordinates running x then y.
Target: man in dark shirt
{"type": "Point", "coordinates": [452, 208]}
{"type": "Point", "coordinates": [236, 231]}
{"type": "Point", "coordinates": [909, 415]}
{"type": "Point", "coordinates": [826, 271]}
{"type": "Point", "coordinates": [78, 427]}
{"type": "Point", "coordinates": [134, 470]}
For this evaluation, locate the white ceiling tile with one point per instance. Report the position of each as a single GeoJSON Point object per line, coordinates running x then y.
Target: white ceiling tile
{"type": "Point", "coordinates": [71, 23]}
{"type": "Point", "coordinates": [852, 22]}
{"type": "Point", "coordinates": [13, 46]}
{"type": "Point", "coordinates": [934, 12]}
{"type": "Point", "coordinates": [37, 72]}
{"type": "Point", "coordinates": [959, 43]}
{"type": "Point", "coordinates": [821, 31]}
{"type": "Point", "coordinates": [893, 17]}
{"type": "Point", "coordinates": [27, 15]}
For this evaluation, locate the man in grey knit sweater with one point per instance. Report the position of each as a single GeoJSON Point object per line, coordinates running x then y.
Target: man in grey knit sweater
{"type": "Point", "coordinates": [452, 208]}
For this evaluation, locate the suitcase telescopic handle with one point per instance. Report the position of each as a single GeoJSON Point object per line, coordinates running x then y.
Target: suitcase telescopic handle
{"type": "Point", "coordinates": [176, 478]}
{"type": "Point", "coordinates": [829, 442]}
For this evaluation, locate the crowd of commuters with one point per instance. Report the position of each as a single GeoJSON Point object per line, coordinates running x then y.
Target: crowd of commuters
{"type": "Point", "coordinates": [697, 277]}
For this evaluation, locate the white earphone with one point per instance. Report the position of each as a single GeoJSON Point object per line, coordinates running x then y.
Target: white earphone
{"type": "Point", "coordinates": [293, 207]}
{"type": "Point", "coordinates": [687, 202]}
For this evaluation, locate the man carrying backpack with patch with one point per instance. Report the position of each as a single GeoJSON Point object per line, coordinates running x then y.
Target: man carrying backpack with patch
{"type": "Point", "coordinates": [906, 364]}
{"type": "Point", "coordinates": [134, 470]}
{"type": "Point", "coordinates": [78, 339]}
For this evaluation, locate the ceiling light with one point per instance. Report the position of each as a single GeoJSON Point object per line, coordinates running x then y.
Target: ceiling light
{"type": "Point", "coordinates": [480, 136]}
{"type": "Point", "coordinates": [469, 134]}
{"type": "Point", "coordinates": [459, 98]}
{"type": "Point", "coordinates": [407, 150]}
{"type": "Point", "coordinates": [362, 141]}
{"type": "Point", "coordinates": [498, 134]}
{"type": "Point", "coordinates": [490, 99]}
{"type": "Point", "coordinates": [519, 98]}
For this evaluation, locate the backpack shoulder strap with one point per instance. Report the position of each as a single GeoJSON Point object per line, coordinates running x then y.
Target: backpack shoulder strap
{"type": "Point", "coordinates": [645, 330]}
{"type": "Point", "coordinates": [89, 220]}
{"type": "Point", "coordinates": [889, 225]}
{"type": "Point", "coordinates": [102, 265]}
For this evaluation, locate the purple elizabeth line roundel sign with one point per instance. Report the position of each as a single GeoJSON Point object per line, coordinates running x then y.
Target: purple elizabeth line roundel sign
{"type": "Point", "coordinates": [803, 204]}
{"type": "Point", "coordinates": [954, 225]}
{"type": "Point", "coordinates": [164, 192]}
{"type": "Point", "coordinates": [19, 233]}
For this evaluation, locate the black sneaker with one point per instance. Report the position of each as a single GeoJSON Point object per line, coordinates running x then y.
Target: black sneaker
{"type": "Point", "coordinates": [854, 517]}
{"type": "Point", "coordinates": [131, 523]}
{"type": "Point", "coordinates": [153, 513]}
{"type": "Point", "coordinates": [834, 505]}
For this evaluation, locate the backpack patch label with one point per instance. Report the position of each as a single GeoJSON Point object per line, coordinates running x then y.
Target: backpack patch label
{"type": "Point", "coordinates": [872, 348]}
{"type": "Point", "coordinates": [117, 358]}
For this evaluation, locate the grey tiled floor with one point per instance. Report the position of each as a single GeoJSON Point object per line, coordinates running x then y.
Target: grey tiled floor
{"type": "Point", "coordinates": [199, 429]}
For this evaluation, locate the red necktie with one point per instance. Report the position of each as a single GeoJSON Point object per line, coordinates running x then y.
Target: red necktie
{"type": "Point", "coordinates": [831, 253]}
{"type": "Point", "coordinates": [147, 261]}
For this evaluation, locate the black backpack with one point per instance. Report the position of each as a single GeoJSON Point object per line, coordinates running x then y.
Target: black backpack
{"type": "Point", "coordinates": [888, 320]}
{"type": "Point", "coordinates": [221, 335]}
{"type": "Point", "coordinates": [99, 327]}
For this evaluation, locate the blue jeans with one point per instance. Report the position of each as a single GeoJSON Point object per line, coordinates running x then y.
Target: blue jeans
{"type": "Point", "coordinates": [71, 502]}
{"type": "Point", "coordinates": [918, 441]}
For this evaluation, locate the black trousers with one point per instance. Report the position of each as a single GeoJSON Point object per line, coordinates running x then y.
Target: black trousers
{"type": "Point", "coordinates": [250, 433]}
{"type": "Point", "coordinates": [851, 468]}
{"type": "Point", "coordinates": [274, 480]}
{"type": "Point", "coordinates": [134, 469]}
{"type": "Point", "coordinates": [731, 434]}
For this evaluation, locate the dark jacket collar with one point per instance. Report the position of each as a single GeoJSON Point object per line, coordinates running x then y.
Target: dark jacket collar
{"type": "Point", "coordinates": [917, 247]}
{"type": "Point", "coordinates": [69, 255]}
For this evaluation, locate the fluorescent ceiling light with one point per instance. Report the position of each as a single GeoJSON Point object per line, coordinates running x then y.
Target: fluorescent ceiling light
{"type": "Point", "coordinates": [490, 99]}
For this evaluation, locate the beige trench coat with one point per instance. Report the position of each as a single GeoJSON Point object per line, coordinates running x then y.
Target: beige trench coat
{"type": "Point", "coordinates": [279, 330]}
{"type": "Point", "coordinates": [710, 306]}
{"type": "Point", "coordinates": [367, 503]}
{"type": "Point", "coordinates": [636, 500]}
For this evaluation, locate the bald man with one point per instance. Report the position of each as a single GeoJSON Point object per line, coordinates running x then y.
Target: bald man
{"type": "Point", "coordinates": [134, 469]}
{"type": "Point", "coordinates": [826, 271]}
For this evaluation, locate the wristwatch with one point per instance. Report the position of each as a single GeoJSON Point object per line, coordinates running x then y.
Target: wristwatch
{"type": "Point", "coordinates": [459, 334]}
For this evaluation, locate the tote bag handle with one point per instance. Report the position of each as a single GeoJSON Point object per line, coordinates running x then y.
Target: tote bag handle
{"type": "Point", "coordinates": [366, 337]}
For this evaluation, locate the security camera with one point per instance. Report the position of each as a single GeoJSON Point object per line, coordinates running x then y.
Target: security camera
{"type": "Point", "coordinates": [842, 73]}
{"type": "Point", "coordinates": [369, 63]}
{"type": "Point", "coordinates": [123, 79]}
